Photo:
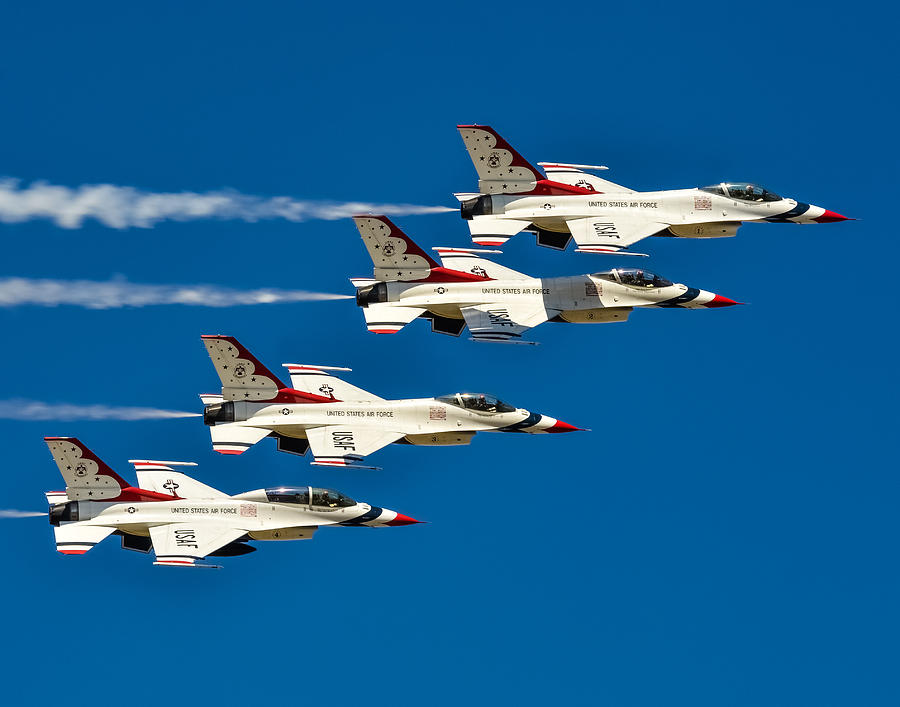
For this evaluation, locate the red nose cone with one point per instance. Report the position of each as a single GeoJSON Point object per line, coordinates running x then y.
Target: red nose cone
{"type": "Point", "coordinates": [561, 426]}
{"type": "Point", "coordinates": [719, 301]}
{"type": "Point", "coordinates": [402, 520]}
{"type": "Point", "coordinates": [830, 217]}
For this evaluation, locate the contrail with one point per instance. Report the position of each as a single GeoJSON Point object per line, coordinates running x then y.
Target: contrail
{"type": "Point", "coordinates": [11, 513]}
{"type": "Point", "coordinates": [118, 292]}
{"type": "Point", "coordinates": [124, 207]}
{"type": "Point", "coordinates": [34, 410]}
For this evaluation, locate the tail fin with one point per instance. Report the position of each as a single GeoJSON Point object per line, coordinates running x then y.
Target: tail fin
{"type": "Point", "coordinates": [242, 376]}
{"type": "Point", "coordinates": [469, 260]}
{"type": "Point", "coordinates": [394, 254]}
{"type": "Point", "coordinates": [87, 477]}
{"type": "Point", "coordinates": [162, 478]}
{"type": "Point", "coordinates": [501, 170]}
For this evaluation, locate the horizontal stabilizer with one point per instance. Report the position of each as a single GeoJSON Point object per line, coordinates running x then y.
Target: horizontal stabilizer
{"type": "Point", "coordinates": [233, 438]}
{"type": "Point", "coordinates": [364, 281]}
{"type": "Point", "coordinates": [494, 231]}
{"type": "Point", "coordinates": [606, 250]}
{"type": "Point", "coordinates": [388, 319]}
{"type": "Point", "coordinates": [54, 497]}
{"type": "Point", "coordinates": [77, 539]}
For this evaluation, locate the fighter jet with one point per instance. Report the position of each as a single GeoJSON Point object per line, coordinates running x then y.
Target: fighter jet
{"type": "Point", "coordinates": [182, 520]}
{"type": "Point", "coordinates": [603, 217]}
{"type": "Point", "coordinates": [496, 302]}
{"type": "Point", "coordinates": [339, 422]}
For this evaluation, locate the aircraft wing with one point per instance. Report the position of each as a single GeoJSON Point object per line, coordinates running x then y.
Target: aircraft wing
{"type": "Point", "coordinates": [504, 321]}
{"type": "Point", "coordinates": [181, 544]}
{"type": "Point", "coordinates": [318, 380]}
{"type": "Point", "coordinates": [346, 445]}
{"type": "Point", "coordinates": [575, 175]}
{"type": "Point", "coordinates": [608, 234]}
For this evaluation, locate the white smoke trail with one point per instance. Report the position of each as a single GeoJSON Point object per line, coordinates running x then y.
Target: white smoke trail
{"type": "Point", "coordinates": [118, 292]}
{"type": "Point", "coordinates": [124, 207]}
{"type": "Point", "coordinates": [34, 410]}
{"type": "Point", "coordinates": [12, 513]}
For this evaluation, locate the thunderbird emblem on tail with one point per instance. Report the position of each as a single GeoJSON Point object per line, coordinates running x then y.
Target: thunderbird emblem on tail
{"type": "Point", "coordinates": [496, 302]}
{"type": "Point", "coordinates": [567, 202]}
{"type": "Point", "coordinates": [184, 528]}
{"type": "Point", "coordinates": [344, 427]}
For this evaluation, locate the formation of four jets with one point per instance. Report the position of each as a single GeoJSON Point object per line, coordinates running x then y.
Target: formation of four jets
{"type": "Point", "coordinates": [184, 521]}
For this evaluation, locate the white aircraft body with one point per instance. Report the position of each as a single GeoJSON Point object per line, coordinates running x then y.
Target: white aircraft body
{"type": "Point", "coordinates": [604, 217]}
{"type": "Point", "coordinates": [495, 302]}
{"type": "Point", "coordinates": [340, 423]}
{"type": "Point", "coordinates": [182, 520]}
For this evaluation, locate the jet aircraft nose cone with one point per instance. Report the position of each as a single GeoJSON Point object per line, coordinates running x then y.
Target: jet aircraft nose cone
{"type": "Point", "coordinates": [560, 426]}
{"type": "Point", "coordinates": [831, 217]}
{"type": "Point", "coordinates": [719, 301]}
{"type": "Point", "coordinates": [402, 520]}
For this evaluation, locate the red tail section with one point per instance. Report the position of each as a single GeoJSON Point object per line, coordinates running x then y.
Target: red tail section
{"type": "Point", "coordinates": [502, 170]}
{"type": "Point", "coordinates": [494, 158]}
{"type": "Point", "coordinates": [88, 478]}
{"type": "Point", "coordinates": [397, 257]}
{"type": "Point", "coordinates": [245, 378]}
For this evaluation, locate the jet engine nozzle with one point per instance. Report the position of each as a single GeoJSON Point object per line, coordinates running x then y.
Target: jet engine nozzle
{"type": "Point", "coordinates": [218, 412]}
{"type": "Point", "coordinates": [63, 511]}
{"type": "Point", "coordinates": [479, 206]}
{"type": "Point", "coordinates": [371, 294]}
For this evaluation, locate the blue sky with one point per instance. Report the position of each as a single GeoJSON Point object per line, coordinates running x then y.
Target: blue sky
{"type": "Point", "coordinates": [727, 533]}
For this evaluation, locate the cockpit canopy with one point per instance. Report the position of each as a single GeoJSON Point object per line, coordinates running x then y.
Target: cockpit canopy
{"type": "Point", "coordinates": [635, 277]}
{"type": "Point", "coordinates": [307, 495]}
{"type": "Point", "coordinates": [743, 191]}
{"type": "Point", "coordinates": [479, 402]}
